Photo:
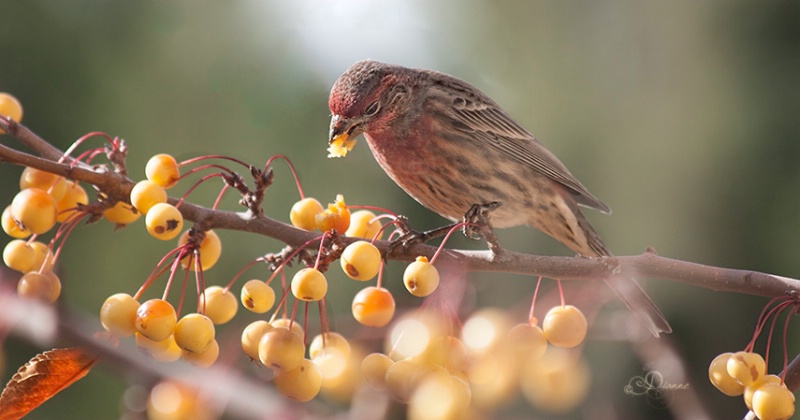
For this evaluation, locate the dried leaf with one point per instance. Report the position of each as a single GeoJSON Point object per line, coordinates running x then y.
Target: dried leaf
{"type": "Point", "coordinates": [41, 378]}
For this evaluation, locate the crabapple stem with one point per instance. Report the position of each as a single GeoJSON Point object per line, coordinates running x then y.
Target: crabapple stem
{"type": "Point", "coordinates": [305, 321]}
{"type": "Point", "coordinates": [762, 321]}
{"type": "Point", "coordinates": [183, 290]}
{"type": "Point", "coordinates": [172, 271]}
{"type": "Point", "coordinates": [380, 274]}
{"type": "Point", "coordinates": [388, 212]}
{"type": "Point", "coordinates": [239, 274]}
{"type": "Point", "coordinates": [159, 270]}
{"type": "Point", "coordinates": [207, 157]}
{"type": "Point", "coordinates": [321, 248]}
{"type": "Point", "coordinates": [447, 236]}
{"type": "Point", "coordinates": [323, 316]}
{"type": "Point", "coordinates": [200, 280]}
{"type": "Point", "coordinates": [291, 168]}
{"type": "Point", "coordinates": [80, 141]}
{"type": "Point", "coordinates": [195, 185]}
{"type": "Point", "coordinates": [294, 313]}
{"type": "Point", "coordinates": [561, 292]}
{"type": "Point", "coordinates": [383, 227]}
{"type": "Point", "coordinates": [785, 351]}
{"type": "Point", "coordinates": [531, 315]}
{"type": "Point", "coordinates": [220, 195]}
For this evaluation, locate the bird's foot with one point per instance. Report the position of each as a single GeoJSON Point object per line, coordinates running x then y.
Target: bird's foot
{"type": "Point", "coordinates": [409, 237]}
{"type": "Point", "coordinates": [477, 225]}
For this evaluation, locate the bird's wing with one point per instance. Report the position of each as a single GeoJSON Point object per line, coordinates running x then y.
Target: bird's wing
{"type": "Point", "coordinates": [475, 113]}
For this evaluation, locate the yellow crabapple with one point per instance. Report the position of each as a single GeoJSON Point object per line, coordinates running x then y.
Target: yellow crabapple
{"type": "Point", "coordinates": [303, 213]}
{"type": "Point", "coordinates": [373, 369]}
{"type": "Point", "coordinates": [404, 376]}
{"type": "Point", "coordinates": [118, 314]}
{"type": "Point", "coordinates": [51, 183]}
{"type": "Point", "coordinates": [557, 382]}
{"type": "Point", "coordinates": [309, 284]}
{"type": "Point", "coordinates": [121, 214]}
{"type": "Point", "coordinates": [564, 326]}
{"type": "Point", "coordinates": [335, 217]}
{"type": "Point", "coordinates": [719, 377]}
{"type": "Point", "coordinates": [373, 307]}
{"type": "Point", "coordinates": [210, 250]}
{"type": "Point", "coordinates": [145, 194]}
{"type": "Point", "coordinates": [340, 382]}
{"type": "Point", "coordinates": [290, 325]}
{"type": "Point", "coordinates": [220, 304]}
{"type": "Point", "coordinates": [281, 349]}
{"type": "Point", "coordinates": [257, 296]}
{"type": "Point", "coordinates": [446, 351]}
{"type": "Point", "coordinates": [773, 401]}
{"type": "Point", "coordinates": [163, 221]}
{"type": "Point", "coordinates": [40, 286]}
{"type": "Point", "coordinates": [194, 333]}
{"type": "Point", "coordinates": [10, 107]}
{"type": "Point", "coordinates": [173, 400]}
{"type": "Point", "coordinates": [527, 341]}
{"type": "Point", "coordinates": [421, 278]}
{"type": "Point", "coordinates": [164, 350]}
{"type": "Point", "coordinates": [43, 260]}
{"type": "Point", "coordinates": [746, 367]}
{"type": "Point", "coordinates": [156, 319]}
{"type": "Point", "coordinates": [19, 256]}
{"type": "Point", "coordinates": [74, 196]}
{"type": "Point", "coordinates": [440, 397]}
{"type": "Point", "coordinates": [10, 226]}
{"type": "Point", "coordinates": [204, 358]}
{"type": "Point", "coordinates": [364, 225]}
{"type": "Point", "coordinates": [361, 261]}
{"type": "Point", "coordinates": [35, 210]}
{"type": "Point", "coordinates": [302, 383]}
{"type": "Point", "coordinates": [251, 337]}
{"type": "Point", "coordinates": [750, 390]}
{"type": "Point", "coordinates": [163, 170]}
{"type": "Point", "coordinates": [485, 329]}
{"type": "Point", "coordinates": [330, 353]}
{"type": "Point", "coordinates": [494, 378]}
{"type": "Point", "coordinates": [329, 341]}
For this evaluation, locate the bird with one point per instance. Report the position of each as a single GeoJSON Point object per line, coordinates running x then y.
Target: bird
{"type": "Point", "coordinates": [451, 147]}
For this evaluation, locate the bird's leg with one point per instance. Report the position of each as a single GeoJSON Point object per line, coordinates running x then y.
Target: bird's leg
{"type": "Point", "coordinates": [409, 236]}
{"type": "Point", "coordinates": [477, 224]}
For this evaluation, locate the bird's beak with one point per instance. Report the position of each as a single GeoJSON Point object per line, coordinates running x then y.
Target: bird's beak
{"type": "Point", "coordinates": [342, 136]}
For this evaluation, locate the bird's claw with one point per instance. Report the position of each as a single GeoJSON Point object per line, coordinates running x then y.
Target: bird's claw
{"type": "Point", "coordinates": [477, 224]}
{"type": "Point", "coordinates": [410, 237]}
{"type": "Point", "coordinates": [407, 237]}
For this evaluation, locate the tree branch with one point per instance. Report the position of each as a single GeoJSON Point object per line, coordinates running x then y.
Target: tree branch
{"type": "Point", "coordinates": [647, 265]}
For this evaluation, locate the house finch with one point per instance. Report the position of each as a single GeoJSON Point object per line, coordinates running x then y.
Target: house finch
{"type": "Point", "coordinates": [450, 146]}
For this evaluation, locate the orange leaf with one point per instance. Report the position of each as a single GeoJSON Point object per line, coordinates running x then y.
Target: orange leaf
{"type": "Point", "coordinates": [41, 378]}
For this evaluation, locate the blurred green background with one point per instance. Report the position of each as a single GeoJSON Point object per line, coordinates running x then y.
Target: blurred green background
{"type": "Point", "coordinates": [682, 116]}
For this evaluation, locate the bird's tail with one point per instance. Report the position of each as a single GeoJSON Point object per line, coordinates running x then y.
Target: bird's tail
{"type": "Point", "coordinates": [629, 292]}
{"type": "Point", "coordinates": [625, 287]}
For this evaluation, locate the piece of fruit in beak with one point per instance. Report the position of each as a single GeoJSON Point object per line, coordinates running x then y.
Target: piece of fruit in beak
{"type": "Point", "coordinates": [340, 144]}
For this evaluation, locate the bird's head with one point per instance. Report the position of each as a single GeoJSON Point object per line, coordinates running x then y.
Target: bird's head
{"type": "Point", "coordinates": [369, 95]}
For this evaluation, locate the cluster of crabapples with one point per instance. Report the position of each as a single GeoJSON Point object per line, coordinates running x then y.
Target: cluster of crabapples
{"type": "Point", "coordinates": [373, 306]}
{"type": "Point", "coordinates": [440, 367]}
{"type": "Point", "coordinates": [155, 323]}
{"type": "Point", "coordinates": [44, 200]}
{"type": "Point", "coordinates": [744, 373]}
{"type": "Point", "coordinates": [443, 374]}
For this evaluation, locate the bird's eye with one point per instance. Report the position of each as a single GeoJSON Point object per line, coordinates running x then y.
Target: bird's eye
{"type": "Point", "coordinates": [372, 108]}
